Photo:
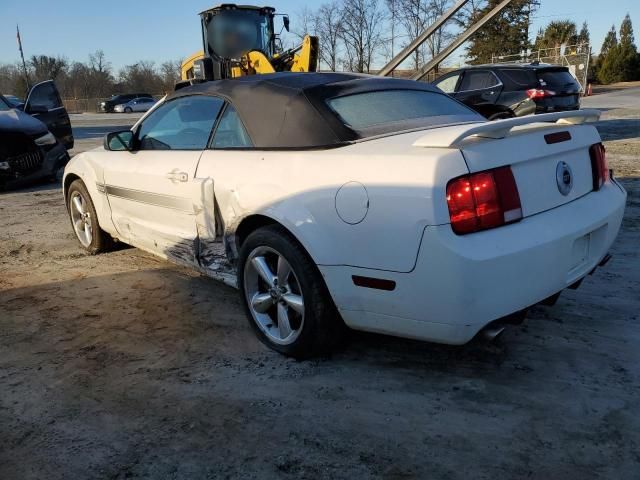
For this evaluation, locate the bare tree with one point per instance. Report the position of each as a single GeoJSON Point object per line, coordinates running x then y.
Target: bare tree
{"type": "Point", "coordinates": [101, 77]}
{"type": "Point", "coordinates": [416, 16]}
{"type": "Point", "coordinates": [328, 27]}
{"type": "Point", "coordinates": [305, 23]}
{"type": "Point", "coordinates": [47, 68]}
{"type": "Point", "coordinates": [361, 32]}
{"type": "Point", "coordinates": [140, 77]}
{"type": "Point", "coordinates": [170, 72]}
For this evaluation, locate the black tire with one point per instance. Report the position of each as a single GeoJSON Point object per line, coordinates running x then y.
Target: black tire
{"type": "Point", "coordinates": [101, 241]}
{"type": "Point", "coordinates": [128, 110]}
{"type": "Point", "coordinates": [499, 116]}
{"type": "Point", "coordinates": [322, 329]}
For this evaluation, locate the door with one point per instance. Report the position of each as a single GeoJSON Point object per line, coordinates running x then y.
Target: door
{"type": "Point", "coordinates": [44, 103]}
{"type": "Point", "coordinates": [478, 87]}
{"type": "Point", "coordinates": [152, 190]}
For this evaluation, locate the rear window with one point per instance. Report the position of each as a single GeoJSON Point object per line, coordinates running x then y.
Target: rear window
{"type": "Point", "coordinates": [556, 78]}
{"type": "Point", "coordinates": [522, 77]}
{"type": "Point", "coordinates": [401, 108]}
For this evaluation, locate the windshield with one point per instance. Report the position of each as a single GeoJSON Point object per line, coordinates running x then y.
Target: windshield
{"type": "Point", "coordinates": [233, 33]}
{"type": "Point", "coordinates": [395, 110]}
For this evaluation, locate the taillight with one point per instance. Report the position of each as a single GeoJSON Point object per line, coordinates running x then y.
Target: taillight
{"type": "Point", "coordinates": [483, 200]}
{"type": "Point", "coordinates": [535, 93]}
{"type": "Point", "coordinates": [599, 165]}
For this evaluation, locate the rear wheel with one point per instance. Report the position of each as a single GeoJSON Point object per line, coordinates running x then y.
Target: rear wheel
{"type": "Point", "coordinates": [285, 298]}
{"type": "Point", "coordinates": [85, 221]}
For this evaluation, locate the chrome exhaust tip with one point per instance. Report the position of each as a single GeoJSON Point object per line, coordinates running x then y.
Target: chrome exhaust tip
{"type": "Point", "coordinates": [492, 333]}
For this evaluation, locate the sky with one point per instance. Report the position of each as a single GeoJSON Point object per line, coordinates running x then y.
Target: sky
{"type": "Point", "coordinates": [160, 30]}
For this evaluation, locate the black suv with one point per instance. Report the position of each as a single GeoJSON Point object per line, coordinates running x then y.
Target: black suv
{"type": "Point", "coordinates": [108, 105]}
{"type": "Point", "coordinates": [513, 90]}
{"type": "Point", "coordinates": [33, 136]}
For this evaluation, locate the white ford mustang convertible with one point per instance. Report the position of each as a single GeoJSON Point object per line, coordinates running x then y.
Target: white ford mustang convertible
{"type": "Point", "coordinates": [333, 199]}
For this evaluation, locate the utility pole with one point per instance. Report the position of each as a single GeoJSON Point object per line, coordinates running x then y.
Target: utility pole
{"type": "Point", "coordinates": [24, 65]}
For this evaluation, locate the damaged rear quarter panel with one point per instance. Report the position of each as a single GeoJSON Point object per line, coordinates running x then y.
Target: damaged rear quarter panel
{"type": "Point", "coordinates": [405, 186]}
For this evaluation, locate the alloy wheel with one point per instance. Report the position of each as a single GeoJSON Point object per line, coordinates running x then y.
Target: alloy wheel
{"type": "Point", "coordinates": [274, 295]}
{"type": "Point", "coordinates": [81, 218]}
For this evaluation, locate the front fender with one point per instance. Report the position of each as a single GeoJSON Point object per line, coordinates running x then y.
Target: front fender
{"type": "Point", "coordinates": [88, 169]}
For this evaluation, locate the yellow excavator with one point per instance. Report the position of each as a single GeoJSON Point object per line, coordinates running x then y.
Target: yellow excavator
{"type": "Point", "coordinates": [240, 40]}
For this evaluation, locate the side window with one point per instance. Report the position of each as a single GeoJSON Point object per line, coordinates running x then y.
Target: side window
{"type": "Point", "coordinates": [231, 132]}
{"type": "Point", "coordinates": [45, 95]}
{"type": "Point", "coordinates": [448, 85]}
{"type": "Point", "coordinates": [478, 80]}
{"type": "Point", "coordinates": [181, 124]}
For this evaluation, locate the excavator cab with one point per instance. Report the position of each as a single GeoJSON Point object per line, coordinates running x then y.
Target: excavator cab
{"type": "Point", "coordinates": [240, 40]}
{"type": "Point", "coordinates": [231, 31]}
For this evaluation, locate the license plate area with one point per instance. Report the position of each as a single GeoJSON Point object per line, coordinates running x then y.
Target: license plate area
{"type": "Point", "coordinates": [580, 251]}
{"type": "Point", "coordinates": [584, 253]}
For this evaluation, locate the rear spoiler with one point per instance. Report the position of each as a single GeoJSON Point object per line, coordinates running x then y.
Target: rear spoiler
{"type": "Point", "coordinates": [452, 137]}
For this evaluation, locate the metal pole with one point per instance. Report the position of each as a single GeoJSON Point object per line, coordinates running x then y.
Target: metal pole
{"type": "Point", "coordinates": [459, 41]}
{"type": "Point", "coordinates": [24, 65]}
{"type": "Point", "coordinates": [409, 49]}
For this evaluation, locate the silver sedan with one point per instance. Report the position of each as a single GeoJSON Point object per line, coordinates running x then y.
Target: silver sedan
{"type": "Point", "coordinates": [141, 104]}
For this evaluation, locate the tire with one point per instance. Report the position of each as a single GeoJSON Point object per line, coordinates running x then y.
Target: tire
{"type": "Point", "coordinates": [499, 116]}
{"type": "Point", "coordinates": [313, 326]}
{"type": "Point", "coordinates": [97, 240]}
{"type": "Point", "coordinates": [128, 110]}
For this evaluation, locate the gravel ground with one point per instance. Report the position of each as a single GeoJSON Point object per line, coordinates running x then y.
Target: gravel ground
{"type": "Point", "coordinates": [124, 366]}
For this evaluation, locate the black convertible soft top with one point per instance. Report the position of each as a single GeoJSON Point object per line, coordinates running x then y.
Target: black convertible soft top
{"type": "Point", "coordinates": [289, 110]}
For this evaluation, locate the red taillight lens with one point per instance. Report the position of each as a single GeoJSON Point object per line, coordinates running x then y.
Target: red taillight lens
{"type": "Point", "coordinates": [535, 93]}
{"type": "Point", "coordinates": [483, 200]}
{"type": "Point", "coordinates": [599, 165]}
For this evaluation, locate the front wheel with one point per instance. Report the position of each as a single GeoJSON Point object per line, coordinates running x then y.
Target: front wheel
{"type": "Point", "coordinates": [128, 110]}
{"type": "Point", "coordinates": [284, 295]}
{"type": "Point", "coordinates": [85, 221]}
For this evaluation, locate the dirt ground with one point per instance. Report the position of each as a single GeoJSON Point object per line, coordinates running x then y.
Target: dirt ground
{"type": "Point", "coordinates": [124, 366]}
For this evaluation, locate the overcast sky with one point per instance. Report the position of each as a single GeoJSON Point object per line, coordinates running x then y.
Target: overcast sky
{"type": "Point", "coordinates": [159, 30]}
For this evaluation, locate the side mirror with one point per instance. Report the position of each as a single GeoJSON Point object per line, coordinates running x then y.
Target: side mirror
{"type": "Point", "coordinates": [285, 20]}
{"type": "Point", "coordinates": [37, 109]}
{"type": "Point", "coordinates": [119, 141]}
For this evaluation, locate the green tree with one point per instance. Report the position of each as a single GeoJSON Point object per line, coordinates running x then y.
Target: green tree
{"type": "Point", "coordinates": [618, 60]}
{"type": "Point", "coordinates": [610, 43]}
{"type": "Point", "coordinates": [627, 52]}
{"type": "Point", "coordinates": [584, 38]}
{"type": "Point", "coordinates": [554, 36]}
{"type": "Point", "coordinates": [506, 34]}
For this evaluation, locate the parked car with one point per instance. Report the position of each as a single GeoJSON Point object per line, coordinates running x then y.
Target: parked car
{"type": "Point", "coordinates": [109, 105]}
{"type": "Point", "coordinates": [378, 202]}
{"type": "Point", "coordinates": [513, 90]}
{"type": "Point", "coordinates": [33, 142]}
{"type": "Point", "coordinates": [141, 104]}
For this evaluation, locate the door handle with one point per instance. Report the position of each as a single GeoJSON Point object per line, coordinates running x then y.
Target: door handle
{"type": "Point", "coordinates": [176, 176]}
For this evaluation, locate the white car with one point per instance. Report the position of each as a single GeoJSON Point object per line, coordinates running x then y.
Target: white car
{"type": "Point", "coordinates": [333, 199]}
{"type": "Point", "coordinates": [140, 104]}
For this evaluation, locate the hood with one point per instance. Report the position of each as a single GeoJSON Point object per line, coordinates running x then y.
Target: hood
{"type": "Point", "coordinates": [15, 121]}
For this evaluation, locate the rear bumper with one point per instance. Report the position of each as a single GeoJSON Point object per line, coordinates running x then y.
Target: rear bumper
{"type": "Point", "coordinates": [462, 283]}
